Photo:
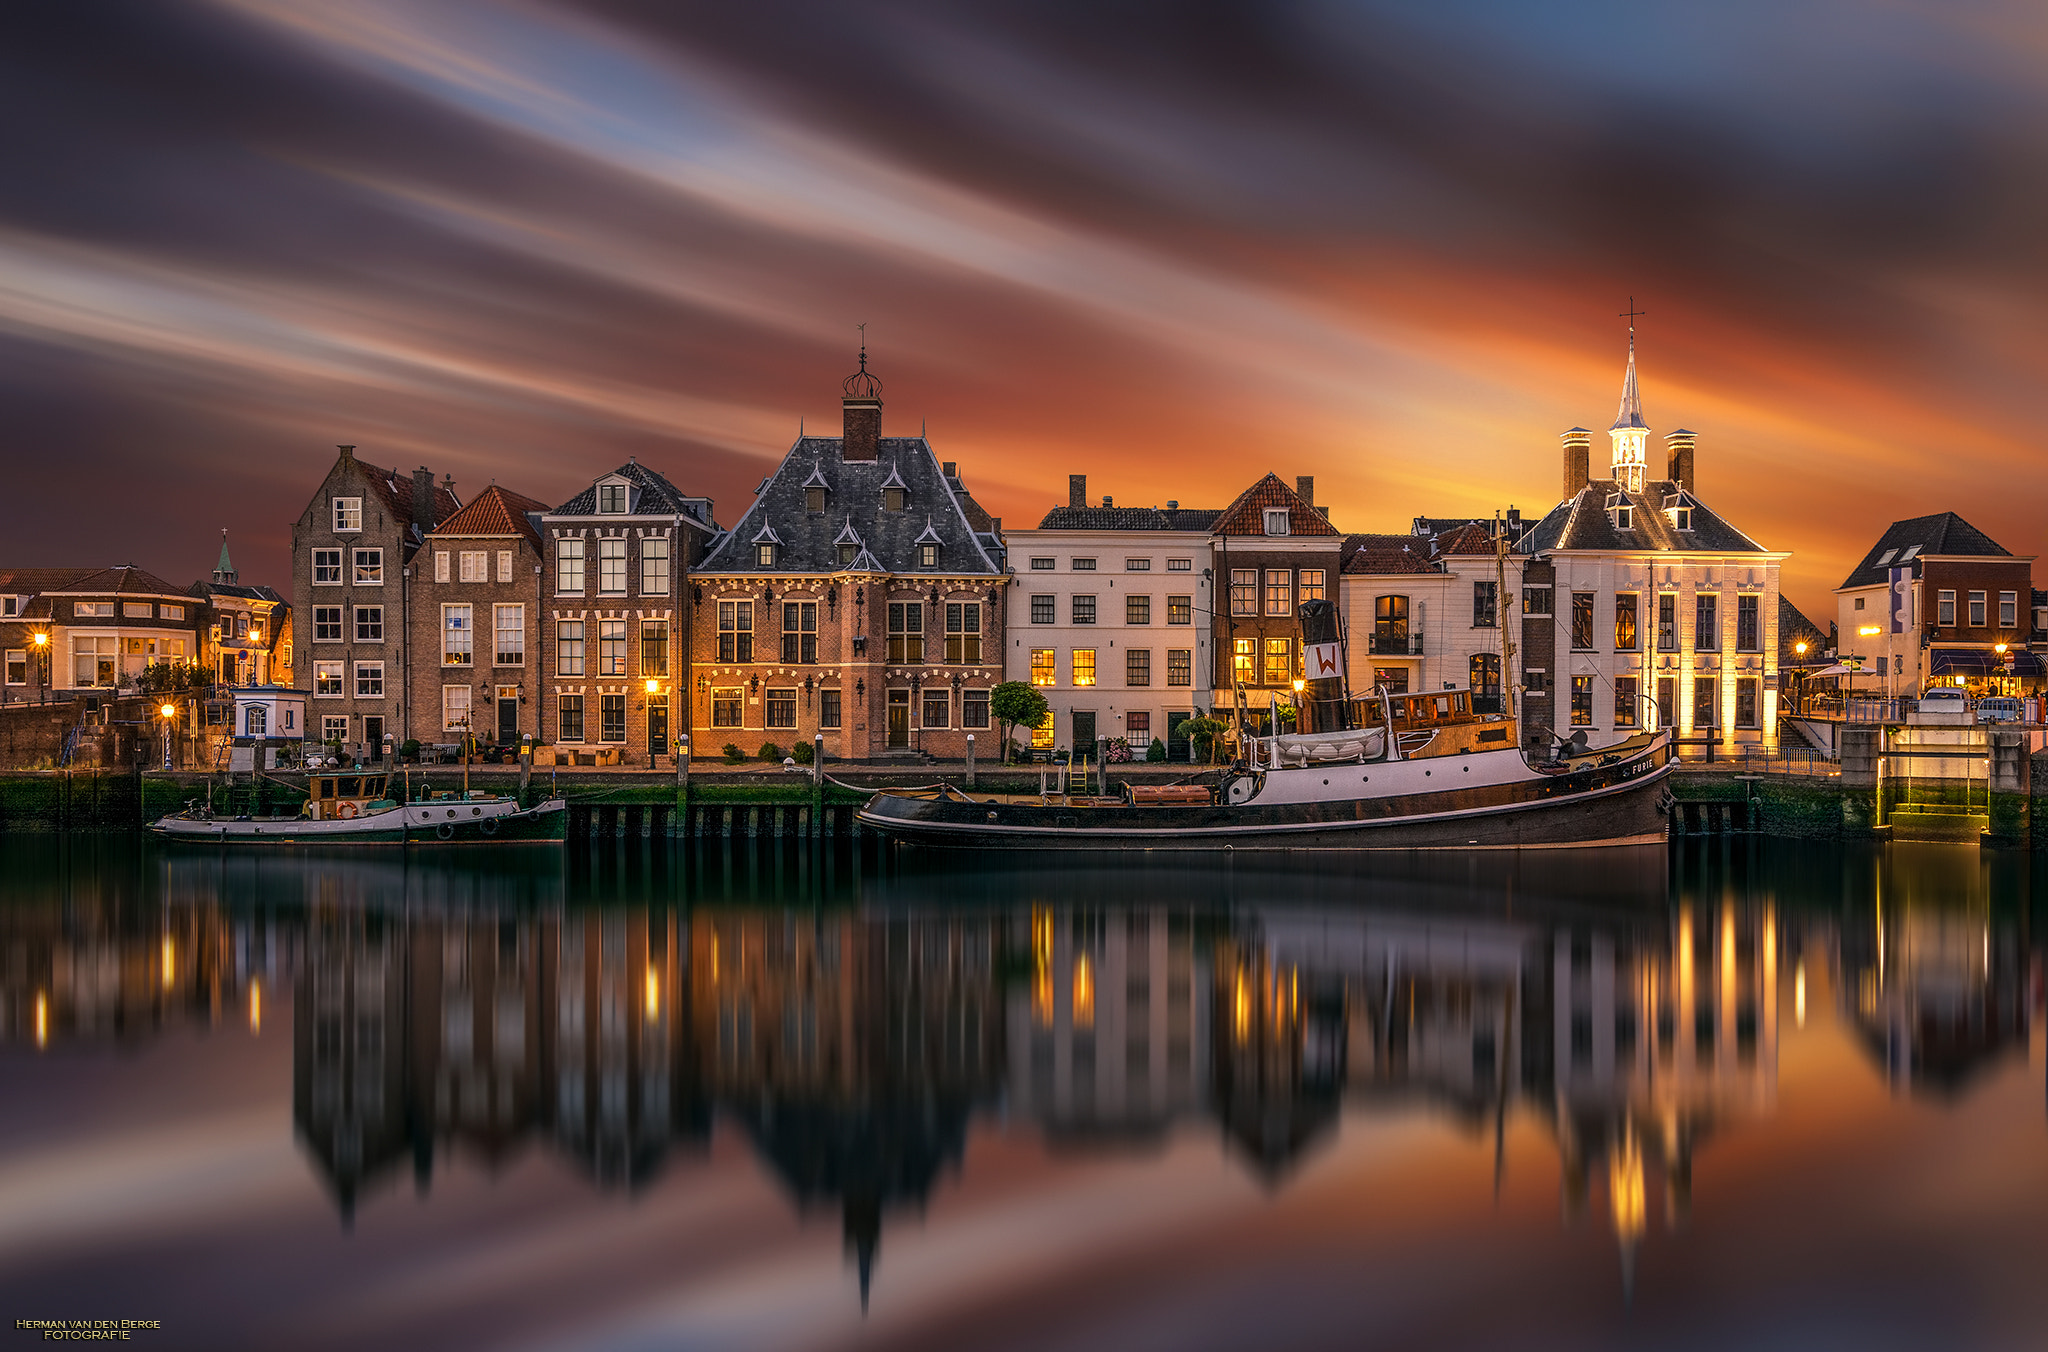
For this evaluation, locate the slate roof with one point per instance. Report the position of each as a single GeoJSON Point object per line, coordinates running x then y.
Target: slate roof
{"type": "Point", "coordinates": [1247, 516]}
{"type": "Point", "coordinates": [205, 589]}
{"type": "Point", "coordinates": [496, 511]}
{"type": "Point", "coordinates": [1582, 522]}
{"type": "Point", "coordinates": [853, 495]}
{"type": "Point", "coordinates": [1439, 525]}
{"type": "Point", "coordinates": [394, 490]}
{"type": "Point", "coordinates": [1130, 518]}
{"type": "Point", "coordinates": [123, 579]}
{"type": "Point", "coordinates": [1631, 414]}
{"type": "Point", "coordinates": [1793, 626]}
{"type": "Point", "coordinates": [1942, 533]}
{"type": "Point", "coordinates": [653, 495]}
{"type": "Point", "coordinates": [35, 581]}
{"type": "Point", "coordinates": [1379, 555]}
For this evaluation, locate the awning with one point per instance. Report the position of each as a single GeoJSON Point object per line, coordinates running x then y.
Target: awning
{"type": "Point", "coordinates": [1983, 662]}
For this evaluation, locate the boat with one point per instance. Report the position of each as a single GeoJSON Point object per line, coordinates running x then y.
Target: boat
{"type": "Point", "coordinates": [357, 809]}
{"type": "Point", "coordinates": [1386, 771]}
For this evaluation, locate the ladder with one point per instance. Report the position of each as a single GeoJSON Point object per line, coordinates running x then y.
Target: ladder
{"type": "Point", "coordinates": [1077, 775]}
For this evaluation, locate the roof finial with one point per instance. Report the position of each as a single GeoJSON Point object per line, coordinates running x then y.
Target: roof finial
{"type": "Point", "coordinates": [862, 383]}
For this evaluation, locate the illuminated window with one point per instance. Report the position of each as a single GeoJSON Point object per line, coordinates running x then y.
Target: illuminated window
{"type": "Point", "coordinates": [1043, 667]}
{"type": "Point", "coordinates": [1311, 580]}
{"type": "Point", "coordinates": [1084, 666]}
{"type": "Point", "coordinates": [327, 680]}
{"type": "Point", "coordinates": [1582, 621]}
{"type": "Point", "coordinates": [457, 636]}
{"type": "Point", "coordinates": [726, 704]}
{"type": "Point", "coordinates": [1625, 623]}
{"type": "Point", "coordinates": [1244, 661]}
{"type": "Point", "coordinates": [1582, 701]}
{"type": "Point", "coordinates": [1180, 666]}
{"type": "Point", "coordinates": [1279, 661]}
{"type": "Point", "coordinates": [1180, 610]}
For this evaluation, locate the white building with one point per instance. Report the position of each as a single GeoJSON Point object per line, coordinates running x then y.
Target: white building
{"type": "Point", "coordinates": [1422, 612]}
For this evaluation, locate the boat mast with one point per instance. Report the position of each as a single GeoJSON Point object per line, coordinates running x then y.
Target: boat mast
{"type": "Point", "coordinates": [1507, 644]}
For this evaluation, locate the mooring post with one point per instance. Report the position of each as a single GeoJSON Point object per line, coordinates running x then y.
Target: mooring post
{"type": "Point", "coordinates": [683, 780]}
{"type": "Point", "coordinates": [818, 759]}
{"type": "Point", "coordinates": [970, 760]}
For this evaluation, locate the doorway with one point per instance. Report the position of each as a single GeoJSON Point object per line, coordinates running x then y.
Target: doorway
{"type": "Point", "coordinates": [899, 720]}
{"type": "Point", "coordinates": [373, 734]}
{"type": "Point", "coordinates": [1084, 732]}
{"type": "Point", "coordinates": [657, 726]}
{"type": "Point", "coordinates": [508, 713]}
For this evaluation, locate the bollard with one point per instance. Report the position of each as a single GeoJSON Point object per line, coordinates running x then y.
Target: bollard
{"type": "Point", "coordinates": [818, 759]}
{"type": "Point", "coordinates": [970, 760]}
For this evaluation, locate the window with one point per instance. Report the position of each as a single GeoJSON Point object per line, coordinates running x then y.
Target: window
{"type": "Point", "coordinates": [284, 656]}
{"type": "Point", "coordinates": [369, 568]}
{"type": "Point", "coordinates": [1390, 623]}
{"type": "Point", "coordinates": [171, 612]}
{"type": "Point", "coordinates": [97, 661]}
{"type": "Point", "coordinates": [369, 680]}
{"type": "Point", "coordinates": [2008, 609]}
{"type": "Point", "coordinates": [1276, 520]}
{"type": "Point", "coordinates": [569, 648]}
{"type": "Point", "coordinates": [1043, 670]}
{"type": "Point", "coordinates": [654, 647]}
{"type": "Point", "coordinates": [764, 555]}
{"type": "Point", "coordinates": [1137, 565]}
{"type": "Point", "coordinates": [1486, 605]}
{"type": "Point", "coordinates": [1747, 713]}
{"type": "Point", "coordinates": [974, 709]}
{"type": "Point", "coordinates": [1180, 666]}
{"type": "Point", "coordinates": [1706, 630]}
{"type": "Point", "coordinates": [569, 718]}
{"type": "Point", "coordinates": [1625, 517]}
{"type": "Point", "coordinates": [1749, 632]}
{"type": "Point", "coordinates": [327, 568]}
{"type": "Point", "coordinates": [1536, 680]}
{"type": "Point", "coordinates": [611, 647]}
{"type": "Point", "coordinates": [456, 636]}
{"type": "Point", "coordinates": [726, 705]}
{"type": "Point", "coordinates": [1043, 565]}
{"type": "Point", "coordinates": [1180, 565]}
{"type": "Point", "coordinates": [1138, 728]}
{"type": "Point", "coordinates": [1626, 701]}
{"type": "Point", "coordinates": [1582, 701]}
{"type": "Point", "coordinates": [1042, 610]}
{"type": "Point", "coordinates": [17, 666]}
{"type": "Point", "coordinates": [938, 709]}
{"type": "Point", "coordinates": [258, 721]}
{"type": "Point", "coordinates": [348, 514]}
{"type": "Point", "coordinates": [906, 631]}
{"type": "Point", "coordinates": [1667, 623]}
{"type": "Point", "coordinates": [654, 565]}
{"type": "Point", "coordinates": [1084, 610]}
{"type": "Point", "coordinates": [1279, 592]}
{"type": "Point", "coordinates": [102, 609]}
{"type": "Point", "coordinates": [138, 610]}
{"type": "Point", "coordinates": [1137, 666]}
{"type": "Point", "coordinates": [1083, 565]}
{"type": "Point", "coordinates": [1084, 666]}
{"type": "Point", "coordinates": [963, 632]}
{"type": "Point", "coordinates": [1667, 702]}
{"type": "Point", "coordinates": [10, 606]}
{"type": "Point", "coordinates": [1582, 621]}
{"type": "Point", "coordinates": [1483, 680]}
{"type": "Point", "coordinates": [1279, 661]}
{"type": "Point", "coordinates": [829, 709]}
{"type": "Point", "coordinates": [847, 554]}
{"type": "Point", "coordinates": [510, 631]}
{"type": "Point", "coordinates": [1244, 591]}
{"type": "Point", "coordinates": [611, 718]}
{"type": "Point", "coordinates": [611, 567]}
{"type": "Point", "coordinates": [369, 624]}
{"type": "Point", "coordinates": [327, 680]}
{"type": "Point", "coordinates": [1681, 518]}
{"type": "Point", "coordinates": [1706, 702]}
{"type": "Point", "coordinates": [569, 567]}
{"type": "Point", "coordinates": [927, 556]}
{"type": "Point", "coordinates": [1041, 736]}
{"type": "Point", "coordinates": [735, 632]}
{"type": "Point", "coordinates": [327, 624]}
{"type": "Point", "coordinates": [611, 499]}
{"type": "Point", "coordinates": [895, 499]}
{"type": "Point", "coordinates": [476, 565]}
{"type": "Point", "coordinates": [1625, 623]}
{"type": "Point", "coordinates": [780, 707]}
{"type": "Point", "coordinates": [504, 565]}
{"type": "Point", "coordinates": [440, 565]}
{"type": "Point", "coordinates": [800, 631]}
{"type": "Point", "coordinates": [1977, 610]}
{"type": "Point", "coordinates": [1180, 610]}
{"type": "Point", "coordinates": [814, 499]}
{"type": "Point", "coordinates": [1244, 661]}
{"type": "Point", "coordinates": [1137, 610]}
{"type": "Point", "coordinates": [1945, 609]}
{"type": "Point", "coordinates": [1312, 583]}
{"type": "Point", "coordinates": [333, 727]}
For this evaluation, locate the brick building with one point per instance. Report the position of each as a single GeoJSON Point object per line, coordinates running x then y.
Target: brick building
{"type": "Point", "coordinates": [616, 624]}
{"type": "Point", "coordinates": [69, 630]}
{"type": "Point", "coordinates": [1274, 549]}
{"type": "Point", "coordinates": [474, 623]}
{"type": "Point", "coordinates": [1932, 603]}
{"type": "Point", "coordinates": [350, 551]}
{"type": "Point", "coordinates": [860, 596]}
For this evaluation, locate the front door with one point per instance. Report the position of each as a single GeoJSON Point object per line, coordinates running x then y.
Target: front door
{"type": "Point", "coordinates": [373, 736]}
{"type": "Point", "coordinates": [1084, 732]}
{"type": "Point", "coordinates": [657, 726]}
{"type": "Point", "coordinates": [899, 720]}
{"type": "Point", "coordinates": [508, 713]}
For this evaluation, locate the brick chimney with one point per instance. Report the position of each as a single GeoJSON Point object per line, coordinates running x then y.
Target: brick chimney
{"type": "Point", "coordinates": [951, 469]}
{"type": "Point", "coordinates": [863, 436]}
{"type": "Point", "coordinates": [1107, 501]}
{"type": "Point", "coordinates": [1077, 491]}
{"type": "Point", "coordinates": [423, 497]}
{"type": "Point", "coordinates": [347, 452]}
{"type": "Point", "coordinates": [1578, 460]}
{"type": "Point", "coordinates": [1681, 444]}
{"type": "Point", "coordinates": [1305, 488]}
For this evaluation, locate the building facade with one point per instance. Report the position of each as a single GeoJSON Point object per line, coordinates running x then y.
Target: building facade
{"type": "Point", "coordinates": [616, 628]}
{"type": "Point", "coordinates": [1935, 602]}
{"type": "Point", "coordinates": [1422, 612]}
{"type": "Point", "coordinates": [70, 630]}
{"type": "Point", "coordinates": [861, 597]}
{"type": "Point", "coordinates": [351, 548]}
{"type": "Point", "coordinates": [477, 593]}
{"type": "Point", "coordinates": [1274, 549]}
{"type": "Point", "coordinates": [245, 626]}
{"type": "Point", "coordinates": [1111, 619]}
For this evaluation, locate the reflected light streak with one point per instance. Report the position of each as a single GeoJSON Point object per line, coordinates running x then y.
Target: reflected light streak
{"type": "Point", "coordinates": [42, 1020]}
{"type": "Point", "coordinates": [653, 995]}
{"type": "Point", "coordinates": [256, 1007]}
{"type": "Point", "coordinates": [1799, 995]}
{"type": "Point", "coordinates": [170, 962]}
{"type": "Point", "coordinates": [1084, 992]}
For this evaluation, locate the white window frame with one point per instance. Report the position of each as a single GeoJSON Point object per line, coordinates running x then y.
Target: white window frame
{"type": "Point", "coordinates": [1275, 521]}
{"type": "Point", "coordinates": [569, 564]}
{"type": "Point", "coordinates": [369, 680]}
{"type": "Point", "coordinates": [457, 699]}
{"type": "Point", "coordinates": [654, 569]}
{"type": "Point", "coordinates": [335, 672]}
{"type": "Point", "coordinates": [366, 566]}
{"type": "Point", "coordinates": [568, 658]}
{"type": "Point", "coordinates": [363, 624]}
{"type": "Point", "coordinates": [516, 612]}
{"type": "Point", "coordinates": [334, 728]}
{"type": "Point", "coordinates": [474, 565]}
{"type": "Point", "coordinates": [440, 565]}
{"type": "Point", "coordinates": [504, 565]}
{"type": "Point", "coordinates": [348, 516]}
{"type": "Point", "coordinates": [611, 564]}
{"type": "Point", "coordinates": [614, 499]}
{"type": "Point", "coordinates": [452, 611]}
{"type": "Point", "coordinates": [329, 561]}
{"type": "Point", "coordinates": [319, 636]}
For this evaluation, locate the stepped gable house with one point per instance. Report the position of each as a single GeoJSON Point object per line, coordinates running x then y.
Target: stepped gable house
{"type": "Point", "coordinates": [616, 629]}
{"type": "Point", "coordinates": [1274, 549]}
{"type": "Point", "coordinates": [350, 551]}
{"type": "Point", "coordinates": [861, 597]}
{"type": "Point", "coordinates": [477, 598]}
{"type": "Point", "coordinates": [1641, 606]}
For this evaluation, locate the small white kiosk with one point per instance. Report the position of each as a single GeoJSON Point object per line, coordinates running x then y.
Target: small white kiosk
{"type": "Point", "coordinates": [269, 727]}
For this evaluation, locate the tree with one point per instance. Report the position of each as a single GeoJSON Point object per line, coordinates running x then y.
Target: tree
{"type": "Point", "coordinates": [173, 678]}
{"type": "Point", "coordinates": [1017, 703]}
{"type": "Point", "coordinates": [1205, 733]}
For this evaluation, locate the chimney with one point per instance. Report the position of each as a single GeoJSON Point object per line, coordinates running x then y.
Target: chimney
{"type": "Point", "coordinates": [1173, 504]}
{"type": "Point", "coordinates": [1681, 444]}
{"type": "Point", "coordinates": [995, 525]}
{"type": "Point", "coordinates": [952, 469]}
{"type": "Point", "coordinates": [1578, 460]}
{"type": "Point", "coordinates": [1305, 487]}
{"type": "Point", "coordinates": [448, 487]}
{"type": "Point", "coordinates": [863, 435]}
{"type": "Point", "coordinates": [347, 452]}
{"type": "Point", "coordinates": [1106, 501]}
{"type": "Point", "coordinates": [423, 497]}
{"type": "Point", "coordinates": [1077, 491]}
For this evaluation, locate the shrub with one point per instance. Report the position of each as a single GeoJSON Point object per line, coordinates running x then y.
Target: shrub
{"type": "Point", "coordinates": [1018, 704]}
{"type": "Point", "coordinates": [770, 752]}
{"type": "Point", "coordinates": [1119, 752]}
{"type": "Point", "coordinates": [410, 749]}
{"type": "Point", "coordinates": [733, 755]}
{"type": "Point", "coordinates": [804, 753]}
{"type": "Point", "coordinates": [1156, 752]}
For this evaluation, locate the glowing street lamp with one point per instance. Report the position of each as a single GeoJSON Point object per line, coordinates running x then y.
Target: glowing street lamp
{"type": "Point", "coordinates": [168, 712]}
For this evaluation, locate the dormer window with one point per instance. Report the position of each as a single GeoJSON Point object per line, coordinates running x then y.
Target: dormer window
{"type": "Point", "coordinates": [764, 555]}
{"type": "Point", "coordinates": [611, 499]}
{"type": "Point", "coordinates": [1886, 557]}
{"type": "Point", "coordinates": [1624, 517]}
{"type": "Point", "coordinates": [1276, 521]}
{"type": "Point", "coordinates": [846, 554]}
{"type": "Point", "coordinates": [894, 499]}
{"type": "Point", "coordinates": [814, 499]}
{"type": "Point", "coordinates": [927, 556]}
{"type": "Point", "coordinates": [1681, 518]}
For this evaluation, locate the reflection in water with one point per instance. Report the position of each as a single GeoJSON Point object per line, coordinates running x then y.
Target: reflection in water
{"type": "Point", "coordinates": [855, 1024]}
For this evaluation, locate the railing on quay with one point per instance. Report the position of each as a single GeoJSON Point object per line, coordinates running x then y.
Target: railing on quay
{"type": "Point", "coordinates": [1753, 758]}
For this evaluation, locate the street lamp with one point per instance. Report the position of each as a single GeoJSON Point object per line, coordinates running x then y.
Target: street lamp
{"type": "Point", "coordinates": [42, 641]}
{"type": "Point", "coordinates": [168, 712]}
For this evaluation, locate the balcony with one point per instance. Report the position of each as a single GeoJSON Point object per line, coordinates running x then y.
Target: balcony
{"type": "Point", "coordinates": [1397, 645]}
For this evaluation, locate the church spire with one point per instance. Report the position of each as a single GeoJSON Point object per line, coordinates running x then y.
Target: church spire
{"type": "Point", "coordinates": [224, 571]}
{"type": "Point", "coordinates": [1630, 434]}
{"type": "Point", "coordinates": [1631, 415]}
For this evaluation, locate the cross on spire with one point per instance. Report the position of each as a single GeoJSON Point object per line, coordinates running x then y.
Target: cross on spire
{"type": "Point", "coordinates": [1632, 314]}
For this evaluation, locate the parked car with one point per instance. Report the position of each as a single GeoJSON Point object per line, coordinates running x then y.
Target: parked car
{"type": "Point", "coordinates": [2000, 709]}
{"type": "Point", "coordinates": [1946, 699]}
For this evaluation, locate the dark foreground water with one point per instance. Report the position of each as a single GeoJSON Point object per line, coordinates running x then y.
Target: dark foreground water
{"type": "Point", "coordinates": [1754, 1097]}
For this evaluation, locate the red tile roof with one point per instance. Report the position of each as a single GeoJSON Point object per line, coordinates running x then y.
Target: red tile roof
{"type": "Point", "coordinates": [395, 491]}
{"type": "Point", "coordinates": [1384, 554]}
{"type": "Point", "coordinates": [495, 511]}
{"type": "Point", "coordinates": [1247, 516]}
{"type": "Point", "coordinates": [122, 579]}
{"type": "Point", "coordinates": [1474, 537]}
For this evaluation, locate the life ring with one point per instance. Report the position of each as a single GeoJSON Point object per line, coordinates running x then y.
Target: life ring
{"type": "Point", "coordinates": [489, 826]}
{"type": "Point", "coordinates": [346, 810]}
{"type": "Point", "coordinates": [444, 830]}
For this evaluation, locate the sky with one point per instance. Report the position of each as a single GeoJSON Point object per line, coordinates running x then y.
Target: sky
{"type": "Point", "coordinates": [1169, 245]}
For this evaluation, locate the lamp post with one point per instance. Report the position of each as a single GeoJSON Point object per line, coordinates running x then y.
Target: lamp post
{"type": "Point", "coordinates": [42, 644]}
{"type": "Point", "coordinates": [1799, 705]}
{"type": "Point", "coordinates": [1300, 686]}
{"type": "Point", "coordinates": [167, 712]}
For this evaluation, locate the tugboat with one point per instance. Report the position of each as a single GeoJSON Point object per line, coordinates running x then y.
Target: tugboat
{"type": "Point", "coordinates": [1381, 772]}
{"type": "Point", "coordinates": [357, 809]}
